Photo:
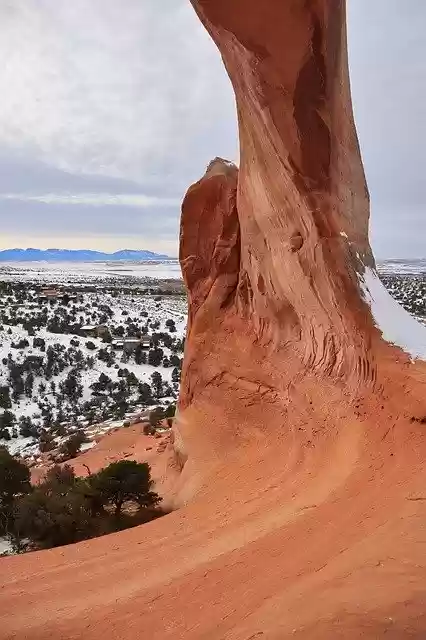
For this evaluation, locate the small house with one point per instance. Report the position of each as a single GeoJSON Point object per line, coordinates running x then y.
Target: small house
{"type": "Point", "coordinates": [131, 344]}
{"type": "Point", "coordinates": [48, 294]}
{"type": "Point", "coordinates": [95, 331]}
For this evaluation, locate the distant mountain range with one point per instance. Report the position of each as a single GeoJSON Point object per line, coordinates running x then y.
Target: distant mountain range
{"type": "Point", "coordinates": [83, 255]}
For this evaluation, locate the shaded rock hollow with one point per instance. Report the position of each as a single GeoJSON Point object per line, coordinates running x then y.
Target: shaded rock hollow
{"type": "Point", "coordinates": [301, 427]}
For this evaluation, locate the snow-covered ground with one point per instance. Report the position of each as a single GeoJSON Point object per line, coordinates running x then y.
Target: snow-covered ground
{"type": "Point", "coordinates": [89, 272]}
{"type": "Point", "coordinates": [402, 267]}
{"type": "Point", "coordinates": [5, 546]}
{"type": "Point", "coordinates": [25, 317]}
{"type": "Point", "coordinates": [109, 294]}
{"type": "Point", "coordinates": [397, 325]}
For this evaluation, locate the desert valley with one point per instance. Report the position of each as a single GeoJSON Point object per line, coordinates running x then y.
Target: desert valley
{"type": "Point", "coordinates": [111, 328]}
{"type": "Point", "coordinates": [271, 399]}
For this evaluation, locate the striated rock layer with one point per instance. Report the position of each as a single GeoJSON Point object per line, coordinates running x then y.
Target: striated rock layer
{"type": "Point", "coordinates": [272, 254]}
{"type": "Point", "coordinates": [301, 430]}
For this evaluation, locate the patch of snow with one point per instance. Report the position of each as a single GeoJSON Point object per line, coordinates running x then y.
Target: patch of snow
{"type": "Point", "coordinates": [87, 445]}
{"type": "Point", "coordinates": [17, 445]}
{"type": "Point", "coordinates": [397, 326]}
{"type": "Point", "coordinates": [5, 546]}
{"type": "Point", "coordinates": [343, 234]}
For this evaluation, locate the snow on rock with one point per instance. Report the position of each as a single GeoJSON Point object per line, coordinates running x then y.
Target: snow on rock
{"type": "Point", "coordinates": [397, 326]}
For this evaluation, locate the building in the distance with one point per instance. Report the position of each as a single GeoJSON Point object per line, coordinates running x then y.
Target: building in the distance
{"type": "Point", "coordinates": [129, 345]}
{"type": "Point", "coordinates": [49, 293]}
{"type": "Point", "coordinates": [95, 330]}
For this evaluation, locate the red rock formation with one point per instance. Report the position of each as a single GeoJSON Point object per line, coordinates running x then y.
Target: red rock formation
{"type": "Point", "coordinates": [302, 429]}
{"type": "Point", "coordinates": [301, 186]}
{"type": "Point", "coordinates": [272, 258]}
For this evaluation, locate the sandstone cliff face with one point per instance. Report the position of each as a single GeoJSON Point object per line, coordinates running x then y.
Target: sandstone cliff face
{"type": "Point", "coordinates": [299, 209]}
{"type": "Point", "coordinates": [272, 254]}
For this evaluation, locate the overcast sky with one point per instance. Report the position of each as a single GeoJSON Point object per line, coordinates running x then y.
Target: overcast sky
{"type": "Point", "coordinates": [110, 109]}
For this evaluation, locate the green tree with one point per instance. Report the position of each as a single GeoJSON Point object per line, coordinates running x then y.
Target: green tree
{"type": "Point", "coordinates": [145, 393]}
{"type": "Point", "coordinates": [26, 427]}
{"type": "Point", "coordinates": [7, 422]}
{"type": "Point", "coordinates": [16, 380]}
{"type": "Point", "coordinates": [175, 361]}
{"type": "Point", "coordinates": [126, 481]}
{"type": "Point", "coordinates": [71, 386]}
{"type": "Point", "coordinates": [46, 442]}
{"type": "Point", "coordinates": [140, 355]}
{"type": "Point", "coordinates": [131, 379]}
{"type": "Point", "coordinates": [39, 343]}
{"type": "Point", "coordinates": [170, 324]}
{"type": "Point", "coordinates": [157, 383]}
{"type": "Point", "coordinates": [14, 482]}
{"type": "Point", "coordinates": [5, 401]}
{"type": "Point", "coordinates": [71, 447]}
{"type": "Point", "coordinates": [29, 384]}
{"type": "Point", "coordinates": [155, 357]}
{"type": "Point", "coordinates": [170, 411]}
{"type": "Point", "coordinates": [156, 416]}
{"type": "Point", "coordinates": [57, 512]}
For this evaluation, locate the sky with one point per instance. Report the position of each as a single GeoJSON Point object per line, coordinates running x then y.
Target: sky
{"type": "Point", "coordinates": [110, 110]}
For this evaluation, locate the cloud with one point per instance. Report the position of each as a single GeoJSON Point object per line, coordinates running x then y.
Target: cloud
{"type": "Point", "coordinates": [388, 76]}
{"type": "Point", "coordinates": [95, 199]}
{"type": "Point", "coordinates": [122, 106]}
{"type": "Point", "coordinates": [92, 88]}
{"type": "Point", "coordinates": [122, 109]}
{"type": "Point", "coordinates": [62, 225]}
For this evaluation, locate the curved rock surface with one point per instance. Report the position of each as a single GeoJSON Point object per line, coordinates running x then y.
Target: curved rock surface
{"type": "Point", "coordinates": [304, 482]}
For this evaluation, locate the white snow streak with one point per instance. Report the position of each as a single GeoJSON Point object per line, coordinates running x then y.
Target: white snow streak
{"type": "Point", "coordinates": [397, 326]}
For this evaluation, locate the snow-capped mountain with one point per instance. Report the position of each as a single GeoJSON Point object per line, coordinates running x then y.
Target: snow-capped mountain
{"type": "Point", "coordinates": [83, 255]}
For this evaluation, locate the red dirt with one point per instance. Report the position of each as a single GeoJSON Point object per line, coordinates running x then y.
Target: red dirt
{"type": "Point", "coordinates": [314, 528]}
{"type": "Point", "coordinates": [304, 487]}
{"type": "Point", "coordinates": [126, 443]}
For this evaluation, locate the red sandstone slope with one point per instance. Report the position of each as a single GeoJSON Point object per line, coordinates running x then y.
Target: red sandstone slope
{"type": "Point", "coordinates": [304, 480]}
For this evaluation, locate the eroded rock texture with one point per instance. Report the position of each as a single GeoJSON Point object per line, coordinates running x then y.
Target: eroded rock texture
{"type": "Point", "coordinates": [271, 254]}
{"type": "Point", "coordinates": [300, 201]}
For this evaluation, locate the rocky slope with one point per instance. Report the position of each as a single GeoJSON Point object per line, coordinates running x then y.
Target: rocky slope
{"type": "Point", "coordinates": [302, 428]}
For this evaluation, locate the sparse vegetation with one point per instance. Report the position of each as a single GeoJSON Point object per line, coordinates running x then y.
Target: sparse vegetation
{"type": "Point", "coordinates": [123, 482]}
{"type": "Point", "coordinates": [64, 368]}
{"type": "Point", "coordinates": [71, 447]}
{"type": "Point", "coordinates": [14, 483]}
{"type": "Point", "coordinates": [64, 508]}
